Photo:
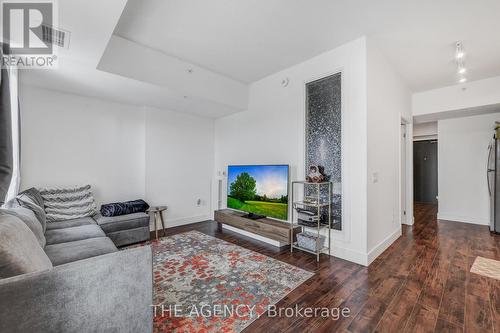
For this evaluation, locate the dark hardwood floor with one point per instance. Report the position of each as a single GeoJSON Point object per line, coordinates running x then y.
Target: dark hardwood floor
{"type": "Point", "coordinates": [421, 283]}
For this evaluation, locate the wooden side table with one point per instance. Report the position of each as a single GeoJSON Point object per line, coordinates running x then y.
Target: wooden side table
{"type": "Point", "coordinates": [157, 212]}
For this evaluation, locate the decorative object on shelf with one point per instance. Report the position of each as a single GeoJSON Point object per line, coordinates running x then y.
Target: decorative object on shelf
{"type": "Point", "coordinates": [157, 212]}
{"type": "Point", "coordinates": [310, 200]}
{"type": "Point", "coordinates": [305, 215]}
{"type": "Point", "coordinates": [309, 213]}
{"type": "Point", "coordinates": [310, 241]}
{"type": "Point", "coordinates": [315, 174]}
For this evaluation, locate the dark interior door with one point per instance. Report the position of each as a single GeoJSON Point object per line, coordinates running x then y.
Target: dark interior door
{"type": "Point", "coordinates": [425, 171]}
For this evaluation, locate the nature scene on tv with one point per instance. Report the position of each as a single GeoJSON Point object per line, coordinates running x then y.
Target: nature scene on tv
{"type": "Point", "coordinates": [259, 189]}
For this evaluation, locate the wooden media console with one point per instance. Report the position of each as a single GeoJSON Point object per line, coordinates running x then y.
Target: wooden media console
{"type": "Point", "coordinates": [269, 228]}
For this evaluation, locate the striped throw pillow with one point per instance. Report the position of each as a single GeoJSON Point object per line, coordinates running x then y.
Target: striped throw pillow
{"type": "Point", "coordinates": [68, 203]}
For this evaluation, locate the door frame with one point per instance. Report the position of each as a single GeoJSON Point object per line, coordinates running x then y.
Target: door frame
{"type": "Point", "coordinates": [406, 171]}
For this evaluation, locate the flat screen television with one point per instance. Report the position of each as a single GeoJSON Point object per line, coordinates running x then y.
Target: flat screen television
{"type": "Point", "coordinates": [259, 190]}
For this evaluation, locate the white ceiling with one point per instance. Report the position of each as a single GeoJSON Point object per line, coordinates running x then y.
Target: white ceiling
{"type": "Point", "coordinates": [250, 39]}
{"type": "Point", "coordinates": [78, 73]}
{"type": "Point", "coordinates": [228, 43]}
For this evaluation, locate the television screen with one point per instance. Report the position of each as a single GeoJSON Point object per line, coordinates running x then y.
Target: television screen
{"type": "Point", "coordinates": [259, 189]}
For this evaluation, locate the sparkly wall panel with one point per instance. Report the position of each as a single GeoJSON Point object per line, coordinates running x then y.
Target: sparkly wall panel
{"type": "Point", "coordinates": [323, 138]}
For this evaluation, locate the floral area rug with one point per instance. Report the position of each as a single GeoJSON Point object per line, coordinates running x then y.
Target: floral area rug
{"type": "Point", "coordinates": [204, 284]}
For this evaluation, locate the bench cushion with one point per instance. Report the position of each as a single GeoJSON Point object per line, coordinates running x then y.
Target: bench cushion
{"type": "Point", "coordinates": [65, 235]}
{"type": "Point", "coordinates": [122, 222]}
{"type": "Point", "coordinates": [68, 252]}
{"type": "Point", "coordinates": [70, 223]}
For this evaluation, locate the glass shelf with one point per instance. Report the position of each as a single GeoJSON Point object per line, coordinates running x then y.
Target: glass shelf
{"type": "Point", "coordinates": [295, 246]}
{"type": "Point", "coordinates": [305, 182]}
{"type": "Point", "coordinates": [311, 204]}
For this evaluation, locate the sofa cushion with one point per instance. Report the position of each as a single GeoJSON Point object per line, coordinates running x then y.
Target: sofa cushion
{"type": "Point", "coordinates": [65, 235]}
{"type": "Point", "coordinates": [129, 236]}
{"type": "Point", "coordinates": [31, 199]}
{"type": "Point", "coordinates": [28, 217]}
{"type": "Point", "coordinates": [68, 203]}
{"type": "Point", "coordinates": [68, 252]}
{"type": "Point", "coordinates": [71, 223]}
{"type": "Point", "coordinates": [20, 251]}
{"type": "Point", "coordinates": [122, 222]}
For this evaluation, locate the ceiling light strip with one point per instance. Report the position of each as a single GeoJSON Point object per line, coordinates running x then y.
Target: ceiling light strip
{"type": "Point", "coordinates": [460, 60]}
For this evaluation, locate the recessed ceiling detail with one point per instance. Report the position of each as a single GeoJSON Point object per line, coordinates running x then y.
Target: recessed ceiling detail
{"type": "Point", "coordinates": [249, 40]}
{"type": "Point", "coordinates": [215, 48]}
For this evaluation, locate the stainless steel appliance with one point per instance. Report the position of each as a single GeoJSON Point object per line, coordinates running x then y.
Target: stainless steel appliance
{"type": "Point", "coordinates": [493, 175]}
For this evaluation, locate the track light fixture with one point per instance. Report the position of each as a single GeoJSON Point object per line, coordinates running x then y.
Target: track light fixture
{"type": "Point", "coordinates": [459, 51]}
{"type": "Point", "coordinates": [460, 60]}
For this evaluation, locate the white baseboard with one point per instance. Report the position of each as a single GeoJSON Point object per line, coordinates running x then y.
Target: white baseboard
{"type": "Point", "coordinates": [409, 221]}
{"type": "Point", "coordinates": [382, 246]}
{"type": "Point", "coordinates": [349, 255]}
{"type": "Point", "coordinates": [339, 252]}
{"type": "Point", "coordinates": [463, 219]}
{"type": "Point", "coordinates": [181, 221]}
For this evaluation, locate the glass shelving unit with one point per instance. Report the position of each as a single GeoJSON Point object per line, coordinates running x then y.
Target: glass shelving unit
{"type": "Point", "coordinates": [313, 201]}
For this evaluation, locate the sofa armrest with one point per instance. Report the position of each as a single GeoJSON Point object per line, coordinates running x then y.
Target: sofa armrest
{"type": "Point", "coordinates": [108, 293]}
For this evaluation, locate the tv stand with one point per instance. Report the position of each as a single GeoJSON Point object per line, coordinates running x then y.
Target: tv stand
{"type": "Point", "coordinates": [253, 216]}
{"type": "Point", "coordinates": [272, 229]}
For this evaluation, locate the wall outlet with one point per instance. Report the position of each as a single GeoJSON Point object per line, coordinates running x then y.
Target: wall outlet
{"type": "Point", "coordinates": [199, 202]}
{"type": "Point", "coordinates": [375, 177]}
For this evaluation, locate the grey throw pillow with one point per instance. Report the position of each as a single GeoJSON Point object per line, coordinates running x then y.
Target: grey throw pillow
{"type": "Point", "coordinates": [68, 203]}
{"type": "Point", "coordinates": [32, 199]}
{"type": "Point", "coordinates": [20, 252]}
{"type": "Point", "coordinates": [35, 195]}
{"type": "Point", "coordinates": [28, 217]}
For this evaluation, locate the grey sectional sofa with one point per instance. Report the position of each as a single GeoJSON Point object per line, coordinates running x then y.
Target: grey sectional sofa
{"type": "Point", "coordinates": [70, 277]}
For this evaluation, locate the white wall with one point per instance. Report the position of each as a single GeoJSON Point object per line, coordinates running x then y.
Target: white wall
{"type": "Point", "coordinates": [73, 140]}
{"type": "Point", "coordinates": [272, 131]}
{"type": "Point", "coordinates": [388, 101]}
{"type": "Point", "coordinates": [125, 152]}
{"type": "Point", "coordinates": [179, 152]}
{"type": "Point", "coordinates": [460, 96]}
{"type": "Point", "coordinates": [425, 131]}
{"type": "Point", "coordinates": [462, 159]}
{"type": "Point", "coordinates": [179, 164]}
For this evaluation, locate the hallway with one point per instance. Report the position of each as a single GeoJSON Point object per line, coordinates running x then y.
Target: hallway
{"type": "Point", "coordinates": [443, 252]}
